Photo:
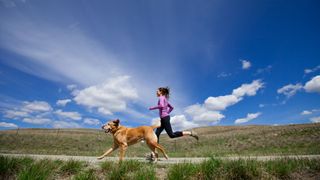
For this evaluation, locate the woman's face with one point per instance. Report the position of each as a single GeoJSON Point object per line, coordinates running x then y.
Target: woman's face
{"type": "Point", "coordinates": [158, 93]}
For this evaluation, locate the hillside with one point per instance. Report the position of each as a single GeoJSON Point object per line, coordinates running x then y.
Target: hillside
{"type": "Point", "coordinates": [215, 140]}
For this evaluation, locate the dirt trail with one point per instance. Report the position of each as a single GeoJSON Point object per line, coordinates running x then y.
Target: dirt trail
{"type": "Point", "coordinates": [174, 160]}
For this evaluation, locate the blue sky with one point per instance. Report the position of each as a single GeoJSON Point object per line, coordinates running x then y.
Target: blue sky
{"type": "Point", "coordinates": [69, 64]}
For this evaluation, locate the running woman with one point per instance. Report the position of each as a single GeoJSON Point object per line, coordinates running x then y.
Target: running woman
{"type": "Point", "coordinates": [164, 110]}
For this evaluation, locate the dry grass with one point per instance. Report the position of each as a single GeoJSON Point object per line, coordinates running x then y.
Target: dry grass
{"type": "Point", "coordinates": [215, 140]}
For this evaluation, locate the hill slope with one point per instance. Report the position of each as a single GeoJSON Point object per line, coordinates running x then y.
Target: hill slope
{"type": "Point", "coordinates": [215, 140]}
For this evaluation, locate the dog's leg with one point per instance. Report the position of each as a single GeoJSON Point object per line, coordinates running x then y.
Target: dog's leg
{"type": "Point", "coordinates": [158, 146]}
{"type": "Point", "coordinates": [153, 149]}
{"type": "Point", "coordinates": [123, 148]}
{"type": "Point", "coordinates": [114, 147]}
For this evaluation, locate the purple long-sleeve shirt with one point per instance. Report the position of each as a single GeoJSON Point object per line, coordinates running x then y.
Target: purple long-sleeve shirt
{"type": "Point", "coordinates": [164, 107]}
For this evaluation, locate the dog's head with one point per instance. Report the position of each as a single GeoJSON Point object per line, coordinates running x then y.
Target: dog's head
{"type": "Point", "coordinates": [111, 126]}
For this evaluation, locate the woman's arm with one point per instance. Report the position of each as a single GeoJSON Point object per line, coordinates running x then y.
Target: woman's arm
{"type": "Point", "coordinates": [160, 106]}
{"type": "Point", "coordinates": [170, 108]}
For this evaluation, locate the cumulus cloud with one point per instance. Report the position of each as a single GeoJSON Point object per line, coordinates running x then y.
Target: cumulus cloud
{"type": "Point", "coordinates": [179, 123]}
{"type": "Point", "coordinates": [315, 119]}
{"type": "Point", "coordinates": [313, 85]}
{"type": "Point", "coordinates": [91, 121]}
{"type": "Point", "coordinates": [63, 102]}
{"type": "Point", "coordinates": [69, 115]}
{"type": "Point", "coordinates": [248, 89]}
{"type": "Point", "coordinates": [200, 114]}
{"type": "Point", "coordinates": [305, 112]}
{"type": "Point", "coordinates": [64, 124]}
{"type": "Point", "coordinates": [221, 102]}
{"type": "Point", "coordinates": [264, 70]}
{"type": "Point", "coordinates": [15, 114]}
{"type": "Point", "coordinates": [108, 97]}
{"type": "Point", "coordinates": [250, 116]}
{"type": "Point", "coordinates": [245, 64]}
{"type": "Point", "coordinates": [290, 89]}
{"type": "Point", "coordinates": [36, 120]}
{"type": "Point", "coordinates": [307, 71]}
{"type": "Point", "coordinates": [8, 125]}
{"type": "Point", "coordinates": [27, 109]}
{"type": "Point", "coordinates": [36, 106]}
{"type": "Point", "coordinates": [209, 112]}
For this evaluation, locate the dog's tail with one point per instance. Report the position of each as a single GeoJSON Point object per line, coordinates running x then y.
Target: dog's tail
{"type": "Point", "coordinates": [155, 126]}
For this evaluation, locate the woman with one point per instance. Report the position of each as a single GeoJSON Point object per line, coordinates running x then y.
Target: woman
{"type": "Point", "coordinates": [164, 110]}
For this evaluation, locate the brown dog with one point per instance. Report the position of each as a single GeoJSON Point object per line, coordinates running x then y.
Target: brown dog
{"type": "Point", "coordinates": [124, 137]}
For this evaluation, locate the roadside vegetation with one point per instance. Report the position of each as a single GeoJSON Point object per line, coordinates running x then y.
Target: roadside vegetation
{"type": "Point", "coordinates": [214, 168]}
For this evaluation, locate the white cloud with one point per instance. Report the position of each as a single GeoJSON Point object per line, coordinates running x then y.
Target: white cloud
{"type": "Point", "coordinates": [27, 109]}
{"type": "Point", "coordinates": [36, 106]}
{"type": "Point", "coordinates": [155, 121]}
{"type": "Point", "coordinates": [34, 120]}
{"type": "Point", "coordinates": [92, 121]}
{"type": "Point", "coordinates": [108, 97]}
{"type": "Point", "coordinates": [200, 114]}
{"type": "Point", "coordinates": [179, 123]}
{"type": "Point", "coordinates": [8, 125]}
{"type": "Point", "coordinates": [209, 112]}
{"type": "Point", "coordinates": [223, 75]}
{"type": "Point", "coordinates": [315, 119]}
{"type": "Point", "coordinates": [305, 112]}
{"type": "Point", "coordinates": [64, 124]}
{"type": "Point", "coordinates": [71, 87]}
{"type": "Point", "coordinates": [15, 114]}
{"type": "Point", "coordinates": [73, 56]}
{"type": "Point", "coordinates": [63, 102]}
{"type": "Point", "coordinates": [313, 85]}
{"type": "Point", "coordinates": [263, 70]}
{"type": "Point", "coordinates": [221, 102]}
{"type": "Point", "coordinates": [245, 64]}
{"type": "Point", "coordinates": [248, 89]}
{"type": "Point", "coordinates": [307, 71]}
{"type": "Point", "coordinates": [250, 116]}
{"type": "Point", "coordinates": [70, 115]}
{"type": "Point", "coordinates": [290, 89]}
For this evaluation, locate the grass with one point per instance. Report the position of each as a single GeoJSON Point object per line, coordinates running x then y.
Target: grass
{"type": "Point", "coordinates": [246, 169]}
{"type": "Point", "coordinates": [128, 169]}
{"type": "Point", "coordinates": [43, 169]}
{"type": "Point", "coordinates": [215, 140]}
{"type": "Point", "coordinates": [72, 167]}
{"type": "Point", "coordinates": [214, 168]}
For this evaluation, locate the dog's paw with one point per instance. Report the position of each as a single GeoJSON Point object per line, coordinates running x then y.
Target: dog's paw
{"type": "Point", "coordinates": [99, 158]}
{"type": "Point", "coordinates": [166, 156]}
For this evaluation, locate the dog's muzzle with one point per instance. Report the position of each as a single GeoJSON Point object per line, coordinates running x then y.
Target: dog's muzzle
{"type": "Point", "coordinates": [106, 130]}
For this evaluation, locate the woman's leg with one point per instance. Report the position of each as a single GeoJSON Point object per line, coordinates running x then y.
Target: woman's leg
{"type": "Point", "coordinates": [159, 130]}
{"type": "Point", "coordinates": [167, 126]}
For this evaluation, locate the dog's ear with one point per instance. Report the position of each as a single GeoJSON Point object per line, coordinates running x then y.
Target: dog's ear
{"type": "Point", "coordinates": [116, 122]}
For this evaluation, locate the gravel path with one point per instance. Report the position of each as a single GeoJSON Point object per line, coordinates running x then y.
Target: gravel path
{"type": "Point", "coordinates": [94, 160]}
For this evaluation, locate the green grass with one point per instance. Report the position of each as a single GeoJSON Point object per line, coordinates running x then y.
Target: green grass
{"type": "Point", "coordinates": [182, 171]}
{"type": "Point", "coordinates": [86, 175]}
{"type": "Point", "coordinates": [43, 169]}
{"type": "Point", "coordinates": [215, 140]}
{"type": "Point", "coordinates": [214, 168]}
{"type": "Point", "coordinates": [11, 166]}
{"type": "Point", "coordinates": [128, 169]}
{"type": "Point", "coordinates": [246, 169]}
{"type": "Point", "coordinates": [72, 167]}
